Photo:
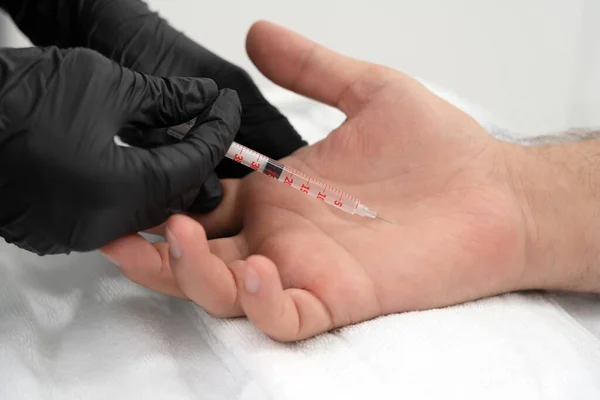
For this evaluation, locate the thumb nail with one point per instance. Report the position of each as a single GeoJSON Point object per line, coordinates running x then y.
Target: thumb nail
{"type": "Point", "coordinates": [252, 280]}
{"type": "Point", "coordinates": [174, 249]}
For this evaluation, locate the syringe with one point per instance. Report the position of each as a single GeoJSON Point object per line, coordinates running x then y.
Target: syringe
{"type": "Point", "coordinates": [288, 176]}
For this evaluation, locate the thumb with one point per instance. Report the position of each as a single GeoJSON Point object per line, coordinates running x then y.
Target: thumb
{"type": "Point", "coordinates": [309, 69]}
{"type": "Point", "coordinates": [155, 102]}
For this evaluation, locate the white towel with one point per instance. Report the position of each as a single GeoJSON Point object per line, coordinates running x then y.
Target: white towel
{"type": "Point", "coordinates": [74, 328]}
{"type": "Point", "coordinates": [508, 347]}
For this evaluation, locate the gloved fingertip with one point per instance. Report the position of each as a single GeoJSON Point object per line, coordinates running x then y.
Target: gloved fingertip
{"type": "Point", "coordinates": [209, 197]}
{"type": "Point", "coordinates": [202, 88]}
{"type": "Point", "coordinates": [190, 95]}
{"type": "Point", "coordinates": [228, 108]}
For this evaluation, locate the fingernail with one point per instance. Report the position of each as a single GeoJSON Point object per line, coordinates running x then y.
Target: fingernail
{"type": "Point", "coordinates": [174, 250]}
{"type": "Point", "coordinates": [252, 280]}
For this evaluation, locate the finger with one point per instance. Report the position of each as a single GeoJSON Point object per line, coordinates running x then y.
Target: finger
{"type": "Point", "coordinates": [284, 315]}
{"type": "Point", "coordinates": [202, 276]}
{"type": "Point", "coordinates": [144, 263]}
{"type": "Point", "coordinates": [173, 170]}
{"type": "Point", "coordinates": [230, 249]}
{"type": "Point", "coordinates": [310, 69]}
{"type": "Point", "coordinates": [226, 219]}
{"type": "Point", "coordinates": [155, 102]}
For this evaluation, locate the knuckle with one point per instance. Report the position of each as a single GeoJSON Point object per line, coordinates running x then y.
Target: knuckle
{"type": "Point", "coordinates": [86, 61]}
{"type": "Point", "coordinates": [224, 305]}
{"type": "Point", "coordinates": [221, 311]}
{"type": "Point", "coordinates": [280, 335]}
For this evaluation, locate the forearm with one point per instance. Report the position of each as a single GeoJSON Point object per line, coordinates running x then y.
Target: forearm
{"type": "Point", "coordinates": [559, 186]}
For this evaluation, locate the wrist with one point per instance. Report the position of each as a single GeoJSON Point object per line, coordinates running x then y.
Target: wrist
{"type": "Point", "coordinates": [558, 187]}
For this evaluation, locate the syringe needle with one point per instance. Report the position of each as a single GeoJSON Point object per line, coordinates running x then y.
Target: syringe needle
{"type": "Point", "coordinates": [383, 219]}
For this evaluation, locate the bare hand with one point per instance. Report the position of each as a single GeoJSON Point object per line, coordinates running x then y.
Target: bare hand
{"type": "Point", "coordinates": [297, 267]}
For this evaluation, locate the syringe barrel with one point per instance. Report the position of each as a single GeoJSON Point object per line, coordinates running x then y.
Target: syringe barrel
{"type": "Point", "coordinates": [287, 175]}
{"type": "Point", "coordinates": [254, 160]}
{"type": "Point", "coordinates": [296, 179]}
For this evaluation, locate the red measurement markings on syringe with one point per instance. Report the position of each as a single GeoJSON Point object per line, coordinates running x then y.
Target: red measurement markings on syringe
{"type": "Point", "coordinates": [259, 157]}
{"type": "Point", "coordinates": [323, 188]}
{"type": "Point", "coordinates": [294, 178]}
{"type": "Point", "coordinates": [255, 165]}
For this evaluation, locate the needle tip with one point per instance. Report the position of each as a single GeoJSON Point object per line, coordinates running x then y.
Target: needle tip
{"type": "Point", "coordinates": [383, 219]}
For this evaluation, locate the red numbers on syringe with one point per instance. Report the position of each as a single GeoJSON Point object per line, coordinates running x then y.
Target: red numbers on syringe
{"type": "Point", "coordinates": [318, 189]}
{"type": "Point", "coordinates": [247, 157]}
{"type": "Point", "coordinates": [293, 178]}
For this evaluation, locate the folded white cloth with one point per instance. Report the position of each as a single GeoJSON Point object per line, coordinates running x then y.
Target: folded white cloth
{"type": "Point", "coordinates": [74, 328]}
{"type": "Point", "coordinates": [512, 346]}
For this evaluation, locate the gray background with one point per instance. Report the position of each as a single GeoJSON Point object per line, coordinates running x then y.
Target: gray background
{"type": "Point", "coordinates": [534, 63]}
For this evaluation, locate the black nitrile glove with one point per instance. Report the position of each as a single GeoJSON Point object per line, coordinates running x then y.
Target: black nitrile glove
{"type": "Point", "coordinates": [128, 32]}
{"type": "Point", "coordinates": [64, 183]}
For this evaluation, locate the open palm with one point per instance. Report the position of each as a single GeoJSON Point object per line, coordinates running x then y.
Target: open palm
{"type": "Point", "coordinates": [297, 267]}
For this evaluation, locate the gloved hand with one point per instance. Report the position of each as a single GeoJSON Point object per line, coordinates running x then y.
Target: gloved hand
{"type": "Point", "coordinates": [64, 183]}
{"type": "Point", "coordinates": [128, 32]}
